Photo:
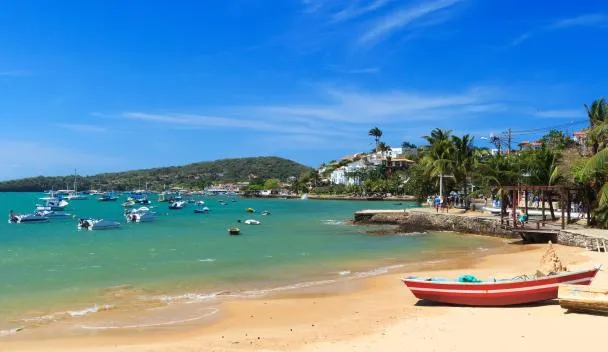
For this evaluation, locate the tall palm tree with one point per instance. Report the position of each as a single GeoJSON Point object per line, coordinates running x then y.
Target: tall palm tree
{"type": "Point", "coordinates": [464, 160]}
{"type": "Point", "coordinates": [597, 113]}
{"type": "Point", "coordinates": [595, 174]}
{"type": "Point", "coordinates": [437, 158]}
{"type": "Point", "coordinates": [376, 133]}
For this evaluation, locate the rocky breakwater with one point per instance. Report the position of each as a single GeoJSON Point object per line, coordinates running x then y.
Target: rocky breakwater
{"type": "Point", "coordinates": [414, 220]}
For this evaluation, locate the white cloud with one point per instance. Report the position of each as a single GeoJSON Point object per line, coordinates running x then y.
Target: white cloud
{"type": "Point", "coordinates": [560, 113]}
{"type": "Point", "coordinates": [246, 120]}
{"type": "Point", "coordinates": [401, 18]}
{"type": "Point", "coordinates": [354, 71]}
{"type": "Point", "coordinates": [15, 73]}
{"type": "Point", "coordinates": [357, 9]}
{"type": "Point", "coordinates": [31, 158]}
{"type": "Point", "coordinates": [83, 128]}
{"type": "Point", "coordinates": [588, 20]}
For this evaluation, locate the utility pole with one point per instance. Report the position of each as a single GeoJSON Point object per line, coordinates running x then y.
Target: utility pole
{"type": "Point", "coordinates": [509, 141]}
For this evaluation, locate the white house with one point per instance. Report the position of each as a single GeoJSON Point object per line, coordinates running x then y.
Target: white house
{"type": "Point", "coordinates": [340, 175]}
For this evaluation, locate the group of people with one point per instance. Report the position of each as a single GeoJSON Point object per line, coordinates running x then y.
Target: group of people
{"type": "Point", "coordinates": [438, 202]}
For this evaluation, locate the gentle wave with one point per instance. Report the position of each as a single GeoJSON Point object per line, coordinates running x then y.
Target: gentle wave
{"type": "Point", "coordinates": [212, 312]}
{"type": "Point", "coordinates": [197, 297]}
{"type": "Point", "coordinates": [53, 317]}
{"type": "Point", "coordinates": [209, 260]}
{"type": "Point", "coordinates": [87, 311]}
{"type": "Point", "coordinates": [333, 222]}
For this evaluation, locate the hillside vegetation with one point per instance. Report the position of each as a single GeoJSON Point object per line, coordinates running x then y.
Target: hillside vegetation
{"type": "Point", "coordinates": [196, 175]}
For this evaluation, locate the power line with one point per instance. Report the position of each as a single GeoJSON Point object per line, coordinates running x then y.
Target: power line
{"type": "Point", "coordinates": [542, 129]}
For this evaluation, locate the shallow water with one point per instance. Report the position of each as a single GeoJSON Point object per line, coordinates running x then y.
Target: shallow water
{"type": "Point", "coordinates": [52, 271]}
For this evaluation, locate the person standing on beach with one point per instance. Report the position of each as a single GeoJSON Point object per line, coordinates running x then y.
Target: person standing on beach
{"type": "Point", "coordinates": [437, 202]}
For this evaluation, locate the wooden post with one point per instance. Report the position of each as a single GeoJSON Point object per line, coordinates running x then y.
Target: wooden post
{"type": "Point", "coordinates": [502, 208]}
{"type": "Point", "coordinates": [526, 201]}
{"type": "Point", "coordinates": [569, 203]}
{"type": "Point", "coordinates": [514, 205]}
{"type": "Point", "coordinates": [542, 198]}
{"type": "Point", "coordinates": [563, 210]}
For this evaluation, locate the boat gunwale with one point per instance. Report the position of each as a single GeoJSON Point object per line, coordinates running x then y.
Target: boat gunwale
{"type": "Point", "coordinates": [510, 281]}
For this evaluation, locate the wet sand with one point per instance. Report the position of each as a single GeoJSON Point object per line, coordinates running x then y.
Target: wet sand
{"type": "Point", "coordinates": [371, 314]}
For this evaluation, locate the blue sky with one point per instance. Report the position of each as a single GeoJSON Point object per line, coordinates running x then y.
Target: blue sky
{"type": "Point", "coordinates": [116, 85]}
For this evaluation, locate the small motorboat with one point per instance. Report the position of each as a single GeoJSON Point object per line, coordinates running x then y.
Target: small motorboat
{"type": "Point", "coordinates": [142, 214]}
{"type": "Point", "coordinates": [97, 224]}
{"type": "Point", "coordinates": [199, 203]}
{"type": "Point", "coordinates": [201, 210]}
{"type": "Point", "coordinates": [178, 204]}
{"type": "Point", "coordinates": [128, 204]}
{"type": "Point", "coordinates": [144, 201]}
{"type": "Point", "coordinates": [54, 214]}
{"type": "Point", "coordinates": [53, 204]}
{"type": "Point", "coordinates": [250, 210]}
{"type": "Point", "coordinates": [470, 291]}
{"type": "Point", "coordinates": [251, 222]}
{"type": "Point", "coordinates": [108, 197]}
{"type": "Point", "coordinates": [27, 219]}
{"type": "Point", "coordinates": [266, 212]}
{"type": "Point", "coordinates": [233, 231]}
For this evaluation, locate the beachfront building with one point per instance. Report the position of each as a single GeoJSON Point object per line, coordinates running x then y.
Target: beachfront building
{"type": "Point", "coordinates": [345, 175]}
{"type": "Point", "coordinates": [525, 145]}
{"type": "Point", "coordinates": [580, 138]}
{"type": "Point", "coordinates": [399, 163]}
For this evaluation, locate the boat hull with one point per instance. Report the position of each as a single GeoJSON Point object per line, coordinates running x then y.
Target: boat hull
{"type": "Point", "coordinates": [501, 293]}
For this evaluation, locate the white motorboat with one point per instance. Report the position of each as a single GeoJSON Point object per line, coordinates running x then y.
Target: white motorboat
{"type": "Point", "coordinates": [251, 222]}
{"type": "Point", "coordinates": [97, 224]}
{"type": "Point", "coordinates": [142, 214]}
{"type": "Point", "coordinates": [27, 219]}
{"type": "Point", "coordinates": [178, 204]}
{"type": "Point", "coordinates": [54, 214]}
{"type": "Point", "coordinates": [52, 204]}
{"type": "Point", "coordinates": [199, 203]}
{"type": "Point", "coordinates": [266, 212]}
{"type": "Point", "coordinates": [201, 210]}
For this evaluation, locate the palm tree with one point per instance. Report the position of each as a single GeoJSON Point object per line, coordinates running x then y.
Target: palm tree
{"type": "Point", "coordinates": [595, 174]}
{"type": "Point", "coordinates": [385, 150]}
{"type": "Point", "coordinates": [376, 133]}
{"type": "Point", "coordinates": [437, 158]}
{"type": "Point", "coordinates": [464, 160]}
{"type": "Point", "coordinates": [597, 113]}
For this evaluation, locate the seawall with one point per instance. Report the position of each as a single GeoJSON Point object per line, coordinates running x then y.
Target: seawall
{"type": "Point", "coordinates": [416, 220]}
{"type": "Point", "coordinates": [413, 221]}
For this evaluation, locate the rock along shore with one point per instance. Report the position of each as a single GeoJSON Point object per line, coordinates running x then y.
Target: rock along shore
{"type": "Point", "coordinates": [420, 220]}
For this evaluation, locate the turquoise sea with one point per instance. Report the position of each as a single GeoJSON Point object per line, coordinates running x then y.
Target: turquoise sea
{"type": "Point", "coordinates": [52, 271]}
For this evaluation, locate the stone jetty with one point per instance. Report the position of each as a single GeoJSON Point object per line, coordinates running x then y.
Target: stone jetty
{"type": "Point", "coordinates": [424, 219]}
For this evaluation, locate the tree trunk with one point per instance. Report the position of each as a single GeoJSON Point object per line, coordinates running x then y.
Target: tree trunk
{"type": "Point", "coordinates": [466, 198]}
{"type": "Point", "coordinates": [550, 199]}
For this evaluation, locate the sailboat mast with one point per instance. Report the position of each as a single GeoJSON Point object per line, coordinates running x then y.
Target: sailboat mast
{"type": "Point", "coordinates": [75, 190]}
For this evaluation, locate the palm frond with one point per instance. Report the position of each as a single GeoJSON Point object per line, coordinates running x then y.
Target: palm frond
{"type": "Point", "coordinates": [597, 163]}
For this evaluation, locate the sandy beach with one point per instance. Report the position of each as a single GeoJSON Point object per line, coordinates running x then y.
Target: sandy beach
{"type": "Point", "coordinates": [372, 314]}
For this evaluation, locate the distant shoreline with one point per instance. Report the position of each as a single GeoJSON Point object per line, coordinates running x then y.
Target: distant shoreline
{"type": "Point", "coordinates": [405, 198]}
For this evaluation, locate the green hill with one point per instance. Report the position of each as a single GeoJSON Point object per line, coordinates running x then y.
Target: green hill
{"type": "Point", "coordinates": [196, 175]}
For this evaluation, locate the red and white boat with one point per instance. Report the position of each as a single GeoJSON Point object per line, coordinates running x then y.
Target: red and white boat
{"type": "Point", "coordinates": [508, 292]}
